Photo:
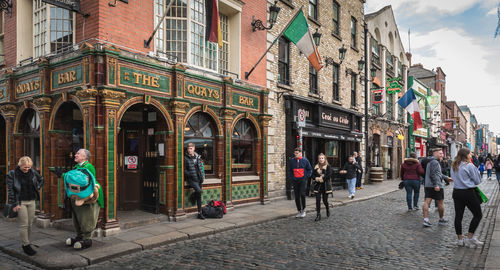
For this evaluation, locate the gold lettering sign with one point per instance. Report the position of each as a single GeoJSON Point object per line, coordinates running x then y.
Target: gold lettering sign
{"type": "Point", "coordinates": [246, 101]}
{"type": "Point", "coordinates": [66, 77]}
{"type": "Point", "coordinates": [145, 80]}
{"type": "Point", "coordinates": [203, 91]}
{"type": "Point", "coordinates": [28, 87]}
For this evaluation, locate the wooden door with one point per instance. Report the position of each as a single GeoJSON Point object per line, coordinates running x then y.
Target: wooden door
{"type": "Point", "coordinates": [130, 161]}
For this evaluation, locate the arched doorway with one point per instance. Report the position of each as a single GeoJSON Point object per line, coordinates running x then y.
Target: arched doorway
{"type": "Point", "coordinates": [3, 161]}
{"type": "Point", "coordinates": [68, 129]}
{"type": "Point", "coordinates": [29, 127]}
{"type": "Point", "coordinates": [142, 146]}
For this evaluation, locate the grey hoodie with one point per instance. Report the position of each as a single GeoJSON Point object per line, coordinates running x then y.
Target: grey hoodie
{"type": "Point", "coordinates": [433, 175]}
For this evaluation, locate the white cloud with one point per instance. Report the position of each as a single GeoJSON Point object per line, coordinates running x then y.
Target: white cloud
{"type": "Point", "coordinates": [425, 6]}
{"type": "Point", "coordinates": [471, 76]}
{"type": "Point", "coordinates": [493, 11]}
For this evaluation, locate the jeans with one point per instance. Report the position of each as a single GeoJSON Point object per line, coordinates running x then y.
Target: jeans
{"type": "Point", "coordinates": [26, 215]}
{"type": "Point", "coordinates": [351, 184]}
{"type": "Point", "coordinates": [318, 200]}
{"type": "Point", "coordinates": [299, 190]}
{"type": "Point", "coordinates": [489, 173]}
{"type": "Point", "coordinates": [461, 199]}
{"type": "Point", "coordinates": [412, 186]}
{"type": "Point", "coordinates": [197, 194]}
{"type": "Point", "coordinates": [358, 179]}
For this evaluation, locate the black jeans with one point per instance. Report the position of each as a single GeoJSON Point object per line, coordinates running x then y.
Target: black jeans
{"type": "Point", "coordinates": [358, 179]}
{"type": "Point", "coordinates": [318, 200]}
{"type": "Point", "coordinates": [197, 194]}
{"type": "Point", "coordinates": [299, 190]}
{"type": "Point", "coordinates": [466, 198]}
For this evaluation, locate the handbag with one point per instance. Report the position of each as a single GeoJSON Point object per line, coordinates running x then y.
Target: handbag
{"type": "Point", "coordinates": [401, 185]}
{"type": "Point", "coordinates": [8, 211]}
{"type": "Point", "coordinates": [482, 198]}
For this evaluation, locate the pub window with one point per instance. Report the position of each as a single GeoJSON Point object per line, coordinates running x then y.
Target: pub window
{"type": "Point", "coordinates": [313, 80]}
{"type": "Point", "coordinates": [400, 114]}
{"type": "Point", "coordinates": [243, 147]}
{"type": "Point", "coordinates": [2, 31]}
{"type": "Point", "coordinates": [375, 52]}
{"type": "Point", "coordinates": [30, 123]}
{"type": "Point", "coordinates": [388, 60]}
{"type": "Point", "coordinates": [284, 61]}
{"type": "Point", "coordinates": [400, 69]}
{"type": "Point", "coordinates": [335, 18]}
{"type": "Point", "coordinates": [332, 154]}
{"type": "Point", "coordinates": [353, 89]}
{"type": "Point", "coordinates": [354, 30]}
{"type": "Point", "coordinates": [200, 130]}
{"type": "Point", "coordinates": [376, 106]}
{"type": "Point", "coordinates": [52, 29]}
{"type": "Point", "coordinates": [336, 94]}
{"type": "Point", "coordinates": [313, 9]}
{"type": "Point", "coordinates": [181, 36]}
{"type": "Point", "coordinates": [389, 106]}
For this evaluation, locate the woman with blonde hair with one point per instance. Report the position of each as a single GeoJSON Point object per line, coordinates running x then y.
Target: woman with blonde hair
{"type": "Point", "coordinates": [466, 177]}
{"type": "Point", "coordinates": [321, 176]}
{"type": "Point", "coordinates": [23, 184]}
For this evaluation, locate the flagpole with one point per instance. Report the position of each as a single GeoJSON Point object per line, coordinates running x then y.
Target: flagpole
{"type": "Point", "coordinates": [147, 42]}
{"type": "Point", "coordinates": [247, 74]}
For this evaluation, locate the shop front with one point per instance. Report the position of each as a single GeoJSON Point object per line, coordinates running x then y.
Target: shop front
{"type": "Point", "coordinates": [331, 130]}
{"type": "Point", "coordinates": [136, 115]}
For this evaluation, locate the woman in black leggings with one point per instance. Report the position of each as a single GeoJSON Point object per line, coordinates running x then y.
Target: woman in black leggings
{"type": "Point", "coordinates": [465, 178]}
{"type": "Point", "coordinates": [321, 176]}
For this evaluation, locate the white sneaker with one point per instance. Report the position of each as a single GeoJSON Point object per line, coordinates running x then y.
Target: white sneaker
{"type": "Point", "coordinates": [461, 242]}
{"type": "Point", "coordinates": [349, 196]}
{"type": "Point", "coordinates": [303, 214]}
{"type": "Point", "coordinates": [298, 215]}
{"type": "Point", "coordinates": [472, 242]}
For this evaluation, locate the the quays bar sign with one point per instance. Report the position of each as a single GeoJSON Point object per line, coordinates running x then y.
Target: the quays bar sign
{"type": "Point", "coordinates": [73, 5]}
{"type": "Point", "coordinates": [140, 79]}
{"type": "Point", "coordinates": [66, 77]}
{"type": "Point", "coordinates": [245, 101]}
{"type": "Point", "coordinates": [202, 92]}
{"type": "Point", "coordinates": [336, 118]}
{"type": "Point", "coordinates": [28, 87]}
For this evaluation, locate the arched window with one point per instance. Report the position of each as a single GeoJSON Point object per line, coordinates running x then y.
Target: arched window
{"type": "Point", "coordinates": [30, 128]}
{"type": "Point", "coordinates": [200, 130]}
{"type": "Point", "coordinates": [243, 147]}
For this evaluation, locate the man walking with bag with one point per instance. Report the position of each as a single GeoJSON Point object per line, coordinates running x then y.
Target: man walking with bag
{"type": "Point", "coordinates": [300, 171]}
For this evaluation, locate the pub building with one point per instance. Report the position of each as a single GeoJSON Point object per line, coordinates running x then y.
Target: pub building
{"type": "Point", "coordinates": [330, 129]}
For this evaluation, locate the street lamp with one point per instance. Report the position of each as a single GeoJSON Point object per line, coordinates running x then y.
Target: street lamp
{"type": "Point", "coordinates": [342, 52]}
{"type": "Point", "coordinates": [273, 16]}
{"type": "Point", "coordinates": [373, 71]}
{"type": "Point", "coordinates": [361, 64]}
{"type": "Point", "coordinates": [317, 37]}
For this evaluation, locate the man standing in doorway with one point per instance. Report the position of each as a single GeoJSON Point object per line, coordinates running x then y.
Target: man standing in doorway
{"type": "Point", "coordinates": [434, 186]}
{"type": "Point", "coordinates": [194, 175]}
{"type": "Point", "coordinates": [359, 172]}
{"type": "Point", "coordinates": [300, 171]}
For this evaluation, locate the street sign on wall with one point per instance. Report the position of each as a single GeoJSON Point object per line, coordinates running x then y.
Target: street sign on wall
{"type": "Point", "coordinates": [301, 118]}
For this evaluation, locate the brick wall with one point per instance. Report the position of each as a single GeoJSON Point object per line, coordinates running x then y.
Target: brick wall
{"type": "Point", "coordinates": [10, 36]}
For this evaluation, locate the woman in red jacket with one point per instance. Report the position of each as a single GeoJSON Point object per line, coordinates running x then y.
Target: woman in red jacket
{"type": "Point", "coordinates": [411, 170]}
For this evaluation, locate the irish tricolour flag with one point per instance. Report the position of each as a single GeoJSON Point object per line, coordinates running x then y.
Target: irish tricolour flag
{"type": "Point", "coordinates": [409, 102]}
{"type": "Point", "coordinates": [298, 33]}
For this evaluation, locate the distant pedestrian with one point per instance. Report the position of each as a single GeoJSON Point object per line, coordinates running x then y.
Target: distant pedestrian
{"type": "Point", "coordinates": [433, 187]}
{"type": "Point", "coordinates": [322, 174]}
{"type": "Point", "coordinates": [194, 174]}
{"type": "Point", "coordinates": [350, 170]}
{"type": "Point", "coordinates": [475, 160]}
{"type": "Point", "coordinates": [23, 185]}
{"type": "Point", "coordinates": [488, 166]}
{"type": "Point", "coordinates": [497, 169]}
{"type": "Point", "coordinates": [481, 169]}
{"type": "Point", "coordinates": [300, 171]}
{"type": "Point", "coordinates": [466, 178]}
{"type": "Point", "coordinates": [359, 173]}
{"type": "Point", "coordinates": [411, 171]}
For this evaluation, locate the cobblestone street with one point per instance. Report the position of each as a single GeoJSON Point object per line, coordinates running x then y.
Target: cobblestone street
{"type": "Point", "coordinates": [373, 234]}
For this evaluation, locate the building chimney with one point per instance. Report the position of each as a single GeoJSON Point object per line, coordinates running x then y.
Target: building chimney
{"type": "Point", "coordinates": [408, 56]}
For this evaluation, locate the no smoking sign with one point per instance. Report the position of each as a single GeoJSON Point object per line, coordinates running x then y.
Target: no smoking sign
{"type": "Point", "coordinates": [301, 118]}
{"type": "Point", "coordinates": [131, 162]}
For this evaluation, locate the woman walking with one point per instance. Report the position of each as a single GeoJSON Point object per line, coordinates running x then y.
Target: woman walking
{"type": "Point", "coordinates": [497, 169]}
{"type": "Point", "coordinates": [322, 174]}
{"type": "Point", "coordinates": [411, 171]}
{"type": "Point", "coordinates": [466, 177]}
{"type": "Point", "coordinates": [488, 166]}
{"type": "Point", "coordinates": [351, 168]}
{"type": "Point", "coordinates": [23, 184]}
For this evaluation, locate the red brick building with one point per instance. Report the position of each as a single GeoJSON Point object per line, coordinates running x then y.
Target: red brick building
{"type": "Point", "coordinates": [86, 79]}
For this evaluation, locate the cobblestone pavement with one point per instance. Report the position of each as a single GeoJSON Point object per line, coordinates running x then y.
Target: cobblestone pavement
{"type": "Point", "coordinates": [373, 234]}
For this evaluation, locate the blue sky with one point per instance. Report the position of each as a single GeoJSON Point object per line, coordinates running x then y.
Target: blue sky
{"type": "Point", "coordinates": [458, 37]}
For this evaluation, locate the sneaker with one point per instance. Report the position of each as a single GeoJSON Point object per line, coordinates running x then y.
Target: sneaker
{"type": "Point", "coordinates": [303, 214]}
{"type": "Point", "coordinates": [461, 242]}
{"type": "Point", "coordinates": [472, 242]}
{"type": "Point", "coordinates": [201, 216]}
{"type": "Point", "coordinates": [349, 197]}
{"type": "Point", "coordinates": [71, 241]}
{"type": "Point", "coordinates": [427, 224]}
{"type": "Point", "coordinates": [442, 221]}
{"type": "Point", "coordinates": [352, 196]}
{"type": "Point", "coordinates": [83, 244]}
{"type": "Point", "coordinates": [299, 214]}
{"type": "Point", "coordinates": [410, 209]}
{"type": "Point", "coordinates": [29, 250]}
{"type": "Point", "coordinates": [416, 208]}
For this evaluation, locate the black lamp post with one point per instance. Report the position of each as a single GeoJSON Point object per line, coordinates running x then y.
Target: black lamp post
{"type": "Point", "coordinates": [273, 16]}
{"type": "Point", "coordinates": [317, 37]}
{"type": "Point", "coordinates": [373, 71]}
{"type": "Point", "coordinates": [361, 64]}
{"type": "Point", "coordinates": [342, 52]}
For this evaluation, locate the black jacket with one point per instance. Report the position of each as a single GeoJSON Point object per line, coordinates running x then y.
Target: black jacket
{"type": "Point", "coordinates": [352, 169]}
{"type": "Point", "coordinates": [326, 184]}
{"type": "Point", "coordinates": [14, 186]}
{"type": "Point", "coordinates": [193, 169]}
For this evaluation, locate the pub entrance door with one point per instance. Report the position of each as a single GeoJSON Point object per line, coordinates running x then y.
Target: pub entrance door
{"type": "Point", "coordinates": [141, 150]}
